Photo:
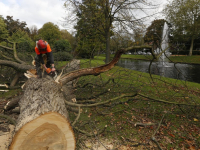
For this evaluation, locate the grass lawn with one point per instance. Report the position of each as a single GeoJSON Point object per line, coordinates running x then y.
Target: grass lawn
{"type": "Point", "coordinates": [172, 104]}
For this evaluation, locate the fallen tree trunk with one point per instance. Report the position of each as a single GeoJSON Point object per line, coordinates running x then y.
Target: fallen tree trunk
{"type": "Point", "coordinates": [43, 122]}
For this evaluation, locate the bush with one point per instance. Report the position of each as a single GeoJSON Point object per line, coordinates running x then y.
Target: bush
{"type": "Point", "coordinates": [62, 56]}
{"type": "Point", "coordinates": [62, 46]}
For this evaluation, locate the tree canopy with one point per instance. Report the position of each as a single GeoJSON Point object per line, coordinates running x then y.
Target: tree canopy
{"type": "Point", "coordinates": [3, 30]}
{"type": "Point", "coordinates": [184, 17]}
{"type": "Point", "coordinates": [49, 32]}
{"type": "Point", "coordinates": [25, 43]}
{"type": "Point", "coordinates": [89, 35]}
{"type": "Point", "coordinates": [14, 25]}
{"type": "Point", "coordinates": [154, 32]}
{"type": "Point", "coordinates": [119, 14]}
{"type": "Point", "coordinates": [62, 46]}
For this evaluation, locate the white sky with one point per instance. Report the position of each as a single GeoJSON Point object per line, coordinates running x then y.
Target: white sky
{"type": "Point", "coordinates": [39, 12]}
{"type": "Point", "coordinates": [34, 12]}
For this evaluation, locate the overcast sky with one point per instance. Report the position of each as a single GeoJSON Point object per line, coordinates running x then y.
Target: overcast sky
{"type": "Point", "coordinates": [34, 12]}
{"type": "Point", "coordinates": [38, 12]}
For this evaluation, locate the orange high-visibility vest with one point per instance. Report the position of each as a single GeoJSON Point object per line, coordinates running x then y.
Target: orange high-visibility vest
{"type": "Point", "coordinates": [47, 50]}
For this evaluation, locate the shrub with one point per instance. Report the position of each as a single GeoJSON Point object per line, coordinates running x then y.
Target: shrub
{"type": "Point", "coordinates": [62, 56]}
{"type": "Point", "coordinates": [62, 46]}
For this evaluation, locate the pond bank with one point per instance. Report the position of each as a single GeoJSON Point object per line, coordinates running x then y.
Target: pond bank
{"type": "Point", "coordinates": [174, 58]}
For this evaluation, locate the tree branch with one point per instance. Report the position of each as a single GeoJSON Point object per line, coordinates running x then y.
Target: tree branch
{"type": "Point", "coordinates": [16, 66]}
{"type": "Point", "coordinates": [79, 112]}
{"type": "Point", "coordinates": [168, 102]}
{"type": "Point", "coordinates": [97, 70]}
{"type": "Point", "coordinates": [100, 103]}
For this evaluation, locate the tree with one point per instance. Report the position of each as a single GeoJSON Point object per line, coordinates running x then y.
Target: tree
{"type": "Point", "coordinates": [72, 40]}
{"type": "Point", "coordinates": [184, 17]}
{"type": "Point", "coordinates": [47, 102]}
{"type": "Point", "coordinates": [122, 14]}
{"type": "Point", "coordinates": [25, 43]}
{"type": "Point", "coordinates": [154, 33]}
{"type": "Point", "coordinates": [62, 46]}
{"type": "Point", "coordinates": [120, 40]}
{"type": "Point", "coordinates": [3, 29]}
{"type": "Point", "coordinates": [89, 32]}
{"type": "Point", "coordinates": [14, 25]}
{"type": "Point", "coordinates": [33, 32]}
{"type": "Point", "coordinates": [49, 32]}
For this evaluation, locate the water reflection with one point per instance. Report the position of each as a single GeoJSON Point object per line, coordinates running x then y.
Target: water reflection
{"type": "Point", "coordinates": [184, 72]}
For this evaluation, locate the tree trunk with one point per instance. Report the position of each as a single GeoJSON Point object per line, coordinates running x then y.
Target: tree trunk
{"type": "Point", "coordinates": [191, 46]}
{"type": "Point", "coordinates": [108, 24]}
{"type": "Point", "coordinates": [107, 47]}
{"type": "Point", "coordinates": [43, 122]}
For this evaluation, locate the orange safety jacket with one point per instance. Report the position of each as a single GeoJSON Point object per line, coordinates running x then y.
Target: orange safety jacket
{"type": "Point", "coordinates": [47, 50]}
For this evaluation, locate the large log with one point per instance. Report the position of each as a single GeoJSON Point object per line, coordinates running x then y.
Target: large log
{"type": "Point", "coordinates": [43, 122]}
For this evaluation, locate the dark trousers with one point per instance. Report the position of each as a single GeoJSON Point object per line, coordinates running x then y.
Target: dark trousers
{"type": "Point", "coordinates": [39, 64]}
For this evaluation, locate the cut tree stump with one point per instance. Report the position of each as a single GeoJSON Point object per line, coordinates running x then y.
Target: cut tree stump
{"type": "Point", "coordinates": [43, 122]}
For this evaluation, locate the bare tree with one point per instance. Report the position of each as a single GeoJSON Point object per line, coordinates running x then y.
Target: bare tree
{"type": "Point", "coordinates": [126, 15]}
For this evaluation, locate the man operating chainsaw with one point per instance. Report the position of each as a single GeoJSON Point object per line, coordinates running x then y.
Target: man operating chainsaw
{"type": "Point", "coordinates": [43, 48]}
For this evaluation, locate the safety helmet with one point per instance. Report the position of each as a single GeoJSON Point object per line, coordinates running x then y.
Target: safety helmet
{"type": "Point", "coordinates": [41, 44]}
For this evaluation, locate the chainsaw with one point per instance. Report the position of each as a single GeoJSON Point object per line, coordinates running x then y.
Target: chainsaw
{"type": "Point", "coordinates": [51, 73]}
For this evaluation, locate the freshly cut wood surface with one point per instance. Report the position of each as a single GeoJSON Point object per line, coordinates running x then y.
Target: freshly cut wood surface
{"type": "Point", "coordinates": [50, 131]}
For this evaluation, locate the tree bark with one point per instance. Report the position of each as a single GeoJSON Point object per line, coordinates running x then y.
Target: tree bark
{"type": "Point", "coordinates": [191, 46]}
{"type": "Point", "coordinates": [43, 122]}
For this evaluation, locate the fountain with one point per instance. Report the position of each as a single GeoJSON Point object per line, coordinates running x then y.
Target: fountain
{"type": "Point", "coordinates": [162, 62]}
{"type": "Point", "coordinates": [164, 43]}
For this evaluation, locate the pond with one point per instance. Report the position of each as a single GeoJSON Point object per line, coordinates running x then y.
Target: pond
{"type": "Point", "coordinates": [186, 72]}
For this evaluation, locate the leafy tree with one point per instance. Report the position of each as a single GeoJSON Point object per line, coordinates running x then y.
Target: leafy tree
{"type": "Point", "coordinates": [89, 31]}
{"type": "Point", "coordinates": [66, 35]}
{"type": "Point", "coordinates": [154, 32]}
{"type": "Point", "coordinates": [122, 14]}
{"type": "Point", "coordinates": [184, 16]}
{"type": "Point", "coordinates": [33, 32]}
{"type": "Point", "coordinates": [3, 30]}
{"type": "Point", "coordinates": [25, 43]}
{"type": "Point", "coordinates": [14, 25]}
{"type": "Point", "coordinates": [120, 40]}
{"type": "Point", "coordinates": [49, 32]}
{"type": "Point", "coordinates": [62, 46]}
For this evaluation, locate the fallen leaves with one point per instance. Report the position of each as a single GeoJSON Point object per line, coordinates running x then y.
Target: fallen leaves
{"type": "Point", "coordinates": [195, 119]}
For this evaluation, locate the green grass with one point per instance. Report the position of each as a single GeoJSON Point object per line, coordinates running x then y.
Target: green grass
{"type": "Point", "coordinates": [121, 115]}
{"type": "Point", "coordinates": [10, 93]}
{"type": "Point", "coordinates": [186, 59]}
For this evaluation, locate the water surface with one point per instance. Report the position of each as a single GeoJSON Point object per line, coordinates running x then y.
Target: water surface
{"type": "Point", "coordinates": [186, 72]}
